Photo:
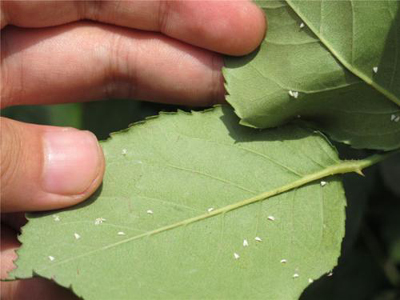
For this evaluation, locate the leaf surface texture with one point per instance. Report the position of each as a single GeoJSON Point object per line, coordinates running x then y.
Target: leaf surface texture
{"type": "Point", "coordinates": [293, 58]}
{"type": "Point", "coordinates": [171, 217]}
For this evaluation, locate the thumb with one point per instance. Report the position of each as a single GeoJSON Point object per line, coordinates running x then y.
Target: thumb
{"type": "Point", "coordinates": [45, 167]}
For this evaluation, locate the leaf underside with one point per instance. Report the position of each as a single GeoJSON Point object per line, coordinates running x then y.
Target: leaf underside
{"type": "Point", "coordinates": [158, 238]}
{"type": "Point", "coordinates": [362, 35]}
{"type": "Point", "coordinates": [330, 96]}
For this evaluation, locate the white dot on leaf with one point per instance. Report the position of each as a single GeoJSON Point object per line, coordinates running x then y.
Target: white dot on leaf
{"type": "Point", "coordinates": [294, 94]}
{"type": "Point", "coordinates": [296, 275]}
{"type": "Point", "coordinates": [258, 239]}
{"type": "Point", "coordinates": [51, 258]}
{"type": "Point", "coordinates": [149, 211]}
{"type": "Point", "coordinates": [236, 256]}
{"type": "Point", "coordinates": [77, 236]}
{"type": "Point", "coordinates": [245, 243]}
{"type": "Point", "coordinates": [271, 218]}
{"type": "Point", "coordinates": [283, 261]}
{"type": "Point", "coordinates": [99, 221]}
{"type": "Point", "coordinates": [121, 233]}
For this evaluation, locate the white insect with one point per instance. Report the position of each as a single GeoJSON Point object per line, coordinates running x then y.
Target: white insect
{"type": "Point", "coordinates": [294, 94]}
{"type": "Point", "coordinates": [258, 239]}
{"type": "Point", "coordinates": [210, 209]}
{"type": "Point", "coordinates": [323, 183]}
{"type": "Point", "coordinates": [99, 221]}
{"type": "Point", "coordinates": [397, 119]}
{"type": "Point", "coordinates": [77, 236]}
{"type": "Point", "coordinates": [124, 151]}
{"type": "Point", "coordinates": [51, 258]}
{"type": "Point", "coordinates": [271, 218]}
{"type": "Point", "coordinates": [310, 280]}
{"type": "Point", "coordinates": [302, 25]}
{"type": "Point", "coordinates": [330, 274]}
{"type": "Point", "coordinates": [283, 261]}
{"type": "Point", "coordinates": [375, 69]}
{"type": "Point", "coordinates": [245, 243]}
{"type": "Point", "coordinates": [296, 275]}
{"type": "Point", "coordinates": [121, 233]}
{"type": "Point", "coordinates": [56, 218]}
{"type": "Point", "coordinates": [149, 211]}
{"type": "Point", "coordinates": [236, 256]}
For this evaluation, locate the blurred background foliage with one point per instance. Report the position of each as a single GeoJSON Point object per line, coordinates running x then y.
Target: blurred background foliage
{"type": "Point", "coordinates": [369, 267]}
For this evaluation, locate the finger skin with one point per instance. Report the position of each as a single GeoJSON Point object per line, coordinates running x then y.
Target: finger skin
{"type": "Point", "coordinates": [229, 27]}
{"type": "Point", "coordinates": [31, 289]}
{"type": "Point", "coordinates": [45, 167]}
{"type": "Point", "coordinates": [88, 61]}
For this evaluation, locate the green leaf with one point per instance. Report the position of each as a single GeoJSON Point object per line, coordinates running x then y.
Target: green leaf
{"type": "Point", "coordinates": [56, 115]}
{"type": "Point", "coordinates": [363, 35]}
{"type": "Point", "coordinates": [331, 98]}
{"type": "Point", "coordinates": [156, 234]}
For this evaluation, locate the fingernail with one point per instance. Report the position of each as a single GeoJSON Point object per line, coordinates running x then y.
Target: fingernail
{"type": "Point", "coordinates": [71, 162]}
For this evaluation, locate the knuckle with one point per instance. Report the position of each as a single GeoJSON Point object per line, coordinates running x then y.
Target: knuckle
{"type": "Point", "coordinates": [163, 15]}
{"type": "Point", "coordinates": [5, 91]}
{"type": "Point", "coordinates": [3, 15]}
{"type": "Point", "coordinates": [12, 68]}
{"type": "Point", "coordinates": [217, 90]}
{"type": "Point", "coordinates": [120, 71]}
{"type": "Point", "coordinates": [90, 9]}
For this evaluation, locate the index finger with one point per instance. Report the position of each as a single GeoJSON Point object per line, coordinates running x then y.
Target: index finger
{"type": "Point", "coordinates": [229, 27]}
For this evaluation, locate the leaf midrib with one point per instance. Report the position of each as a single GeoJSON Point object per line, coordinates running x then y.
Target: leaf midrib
{"type": "Point", "coordinates": [340, 168]}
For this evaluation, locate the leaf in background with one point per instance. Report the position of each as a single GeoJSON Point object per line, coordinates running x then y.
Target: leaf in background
{"type": "Point", "coordinates": [357, 277]}
{"type": "Point", "coordinates": [172, 216]}
{"type": "Point", "coordinates": [390, 231]}
{"type": "Point", "coordinates": [55, 115]}
{"type": "Point", "coordinates": [292, 59]}
{"type": "Point", "coordinates": [104, 117]}
{"type": "Point", "coordinates": [390, 170]}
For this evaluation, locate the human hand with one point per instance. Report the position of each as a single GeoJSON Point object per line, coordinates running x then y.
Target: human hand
{"type": "Point", "coordinates": [148, 50]}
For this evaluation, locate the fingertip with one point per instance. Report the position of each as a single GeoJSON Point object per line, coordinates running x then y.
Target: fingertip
{"type": "Point", "coordinates": [48, 167]}
{"type": "Point", "coordinates": [228, 27]}
{"type": "Point", "coordinates": [73, 166]}
{"type": "Point", "coordinates": [71, 161]}
{"type": "Point", "coordinates": [248, 29]}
